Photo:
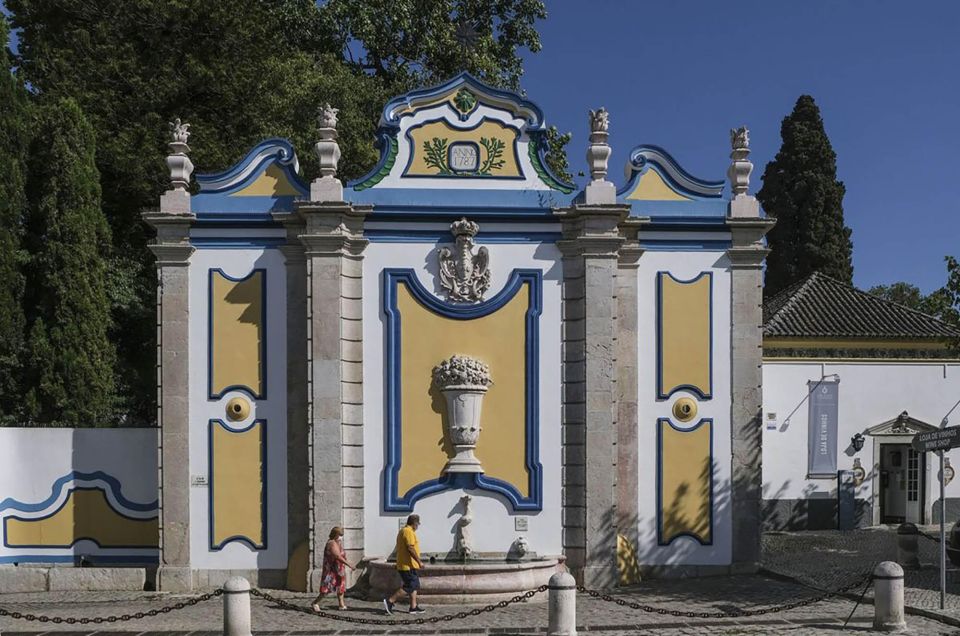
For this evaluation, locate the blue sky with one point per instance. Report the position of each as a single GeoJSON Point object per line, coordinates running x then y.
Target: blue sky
{"type": "Point", "coordinates": [681, 73]}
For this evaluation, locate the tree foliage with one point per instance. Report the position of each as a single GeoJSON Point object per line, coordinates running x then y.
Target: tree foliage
{"type": "Point", "coordinates": [14, 137]}
{"type": "Point", "coordinates": [69, 364]}
{"type": "Point", "coordinates": [238, 72]}
{"type": "Point", "coordinates": [801, 190]}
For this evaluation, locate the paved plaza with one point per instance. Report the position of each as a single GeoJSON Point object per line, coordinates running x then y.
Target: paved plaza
{"type": "Point", "coordinates": [816, 560]}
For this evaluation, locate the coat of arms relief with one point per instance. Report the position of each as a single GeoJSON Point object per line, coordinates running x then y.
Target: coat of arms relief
{"type": "Point", "coordinates": [464, 276]}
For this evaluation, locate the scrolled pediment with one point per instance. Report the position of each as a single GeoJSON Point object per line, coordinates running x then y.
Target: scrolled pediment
{"type": "Point", "coordinates": [901, 426]}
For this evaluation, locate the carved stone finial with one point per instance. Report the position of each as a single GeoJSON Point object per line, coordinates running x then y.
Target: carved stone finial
{"type": "Point", "coordinates": [181, 168]}
{"type": "Point", "coordinates": [464, 276]}
{"type": "Point", "coordinates": [328, 116]}
{"type": "Point", "coordinates": [327, 187]}
{"type": "Point", "coordinates": [599, 120]}
{"type": "Point", "coordinates": [741, 167]}
{"type": "Point", "coordinates": [599, 190]}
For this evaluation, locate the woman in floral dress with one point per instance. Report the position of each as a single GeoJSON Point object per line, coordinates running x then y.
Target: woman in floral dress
{"type": "Point", "coordinates": [334, 575]}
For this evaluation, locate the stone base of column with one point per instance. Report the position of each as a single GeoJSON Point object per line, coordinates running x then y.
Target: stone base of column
{"type": "Point", "coordinates": [314, 580]}
{"type": "Point", "coordinates": [598, 577]}
{"type": "Point", "coordinates": [174, 579]}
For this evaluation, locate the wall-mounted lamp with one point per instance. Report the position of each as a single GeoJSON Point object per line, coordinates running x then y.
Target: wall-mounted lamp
{"type": "Point", "coordinates": [857, 442]}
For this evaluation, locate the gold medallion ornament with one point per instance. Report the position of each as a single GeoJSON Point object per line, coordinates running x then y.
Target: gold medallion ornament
{"type": "Point", "coordinates": [238, 409]}
{"type": "Point", "coordinates": [685, 409]}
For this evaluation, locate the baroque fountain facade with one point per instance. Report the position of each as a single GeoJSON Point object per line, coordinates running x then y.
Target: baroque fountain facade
{"type": "Point", "coordinates": [550, 376]}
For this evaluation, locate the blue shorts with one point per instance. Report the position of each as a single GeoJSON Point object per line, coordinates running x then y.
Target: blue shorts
{"type": "Point", "coordinates": [411, 580]}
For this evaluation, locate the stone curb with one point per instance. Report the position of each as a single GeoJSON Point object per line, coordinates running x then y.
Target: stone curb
{"type": "Point", "coordinates": [909, 609]}
{"type": "Point", "coordinates": [69, 579]}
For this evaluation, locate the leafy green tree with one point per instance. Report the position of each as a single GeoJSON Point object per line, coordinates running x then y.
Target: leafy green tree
{"type": "Point", "coordinates": [801, 190]}
{"type": "Point", "coordinates": [239, 72]}
{"type": "Point", "coordinates": [901, 293]}
{"type": "Point", "coordinates": [69, 364]}
{"type": "Point", "coordinates": [14, 122]}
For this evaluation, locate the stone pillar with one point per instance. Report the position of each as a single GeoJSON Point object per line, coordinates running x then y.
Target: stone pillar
{"type": "Point", "coordinates": [333, 246]}
{"type": "Point", "coordinates": [172, 249]}
{"type": "Point", "coordinates": [746, 259]}
{"type": "Point", "coordinates": [298, 464]}
{"type": "Point", "coordinates": [589, 432]}
{"type": "Point", "coordinates": [627, 395]}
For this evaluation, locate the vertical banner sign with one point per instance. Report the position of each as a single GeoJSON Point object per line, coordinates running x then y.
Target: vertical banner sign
{"type": "Point", "coordinates": [822, 441]}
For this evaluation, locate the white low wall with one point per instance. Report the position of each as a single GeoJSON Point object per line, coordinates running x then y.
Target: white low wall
{"type": "Point", "coordinates": [870, 393]}
{"type": "Point", "coordinates": [40, 468]}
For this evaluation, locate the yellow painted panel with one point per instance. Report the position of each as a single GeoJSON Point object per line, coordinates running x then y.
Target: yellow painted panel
{"type": "Point", "coordinates": [499, 340]}
{"type": "Point", "coordinates": [652, 187]}
{"type": "Point", "coordinates": [273, 182]}
{"type": "Point", "coordinates": [237, 482]}
{"type": "Point", "coordinates": [490, 130]}
{"type": "Point", "coordinates": [685, 482]}
{"type": "Point", "coordinates": [86, 515]}
{"type": "Point", "coordinates": [238, 310]}
{"type": "Point", "coordinates": [685, 334]}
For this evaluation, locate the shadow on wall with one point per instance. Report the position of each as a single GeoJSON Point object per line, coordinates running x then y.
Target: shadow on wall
{"type": "Point", "coordinates": [687, 525]}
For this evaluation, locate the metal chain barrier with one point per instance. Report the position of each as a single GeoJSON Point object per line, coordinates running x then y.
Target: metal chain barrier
{"type": "Point", "coordinates": [477, 611]}
{"type": "Point", "coordinates": [927, 535]}
{"type": "Point", "coordinates": [735, 614]}
{"type": "Point", "coordinates": [71, 620]}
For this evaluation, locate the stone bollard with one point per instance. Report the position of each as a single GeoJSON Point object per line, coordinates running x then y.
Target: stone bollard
{"type": "Point", "coordinates": [888, 597]}
{"type": "Point", "coordinates": [907, 548]}
{"type": "Point", "coordinates": [236, 607]}
{"type": "Point", "coordinates": [562, 599]}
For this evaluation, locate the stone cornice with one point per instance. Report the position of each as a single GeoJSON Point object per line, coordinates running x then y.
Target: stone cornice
{"type": "Point", "coordinates": [592, 230]}
{"type": "Point", "coordinates": [331, 228]}
{"type": "Point", "coordinates": [172, 254]}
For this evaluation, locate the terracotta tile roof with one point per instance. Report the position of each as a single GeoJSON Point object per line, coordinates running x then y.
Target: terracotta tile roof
{"type": "Point", "coordinates": [823, 307]}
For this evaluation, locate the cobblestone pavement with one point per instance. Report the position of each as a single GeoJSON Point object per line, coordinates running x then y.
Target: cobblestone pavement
{"type": "Point", "coordinates": [594, 616]}
{"type": "Point", "coordinates": [821, 560]}
{"type": "Point", "coordinates": [827, 558]}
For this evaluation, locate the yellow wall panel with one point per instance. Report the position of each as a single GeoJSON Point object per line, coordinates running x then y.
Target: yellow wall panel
{"type": "Point", "coordinates": [685, 335]}
{"type": "Point", "coordinates": [86, 515]}
{"type": "Point", "coordinates": [237, 488]}
{"type": "Point", "coordinates": [652, 187]}
{"type": "Point", "coordinates": [497, 339]}
{"type": "Point", "coordinates": [237, 333]}
{"type": "Point", "coordinates": [273, 182]}
{"type": "Point", "coordinates": [442, 130]}
{"type": "Point", "coordinates": [685, 482]}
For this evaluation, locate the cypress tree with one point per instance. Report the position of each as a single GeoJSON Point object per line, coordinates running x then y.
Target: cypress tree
{"type": "Point", "coordinates": [70, 360]}
{"type": "Point", "coordinates": [13, 143]}
{"type": "Point", "coordinates": [801, 190]}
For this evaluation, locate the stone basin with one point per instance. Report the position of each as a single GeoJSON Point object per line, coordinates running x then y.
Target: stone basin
{"type": "Point", "coordinates": [479, 581]}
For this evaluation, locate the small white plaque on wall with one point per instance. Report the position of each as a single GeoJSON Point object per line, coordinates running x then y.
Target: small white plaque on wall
{"type": "Point", "coordinates": [520, 524]}
{"type": "Point", "coordinates": [198, 481]}
{"type": "Point", "coordinates": [771, 421]}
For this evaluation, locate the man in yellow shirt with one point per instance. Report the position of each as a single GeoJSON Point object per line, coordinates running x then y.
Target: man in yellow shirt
{"type": "Point", "coordinates": [408, 565]}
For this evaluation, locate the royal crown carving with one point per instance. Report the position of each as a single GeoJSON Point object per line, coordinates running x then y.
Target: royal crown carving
{"type": "Point", "coordinates": [464, 276]}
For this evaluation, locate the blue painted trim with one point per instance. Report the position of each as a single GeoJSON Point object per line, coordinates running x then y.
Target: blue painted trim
{"type": "Point", "coordinates": [709, 208]}
{"type": "Point", "coordinates": [216, 547]}
{"type": "Point", "coordinates": [114, 486]}
{"type": "Point", "coordinates": [386, 137]}
{"type": "Point", "coordinates": [234, 242]}
{"type": "Point", "coordinates": [673, 245]}
{"type": "Point", "coordinates": [673, 538]}
{"type": "Point", "coordinates": [534, 121]}
{"type": "Point", "coordinates": [263, 337]}
{"type": "Point", "coordinates": [252, 222]}
{"type": "Point", "coordinates": [392, 278]}
{"type": "Point", "coordinates": [661, 393]}
{"type": "Point", "coordinates": [272, 150]}
{"type": "Point", "coordinates": [212, 206]}
{"type": "Point", "coordinates": [95, 559]}
{"type": "Point", "coordinates": [443, 236]}
{"type": "Point", "coordinates": [461, 175]}
{"type": "Point", "coordinates": [702, 223]}
{"type": "Point", "coordinates": [59, 484]}
{"type": "Point", "coordinates": [458, 202]}
{"type": "Point", "coordinates": [644, 156]}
